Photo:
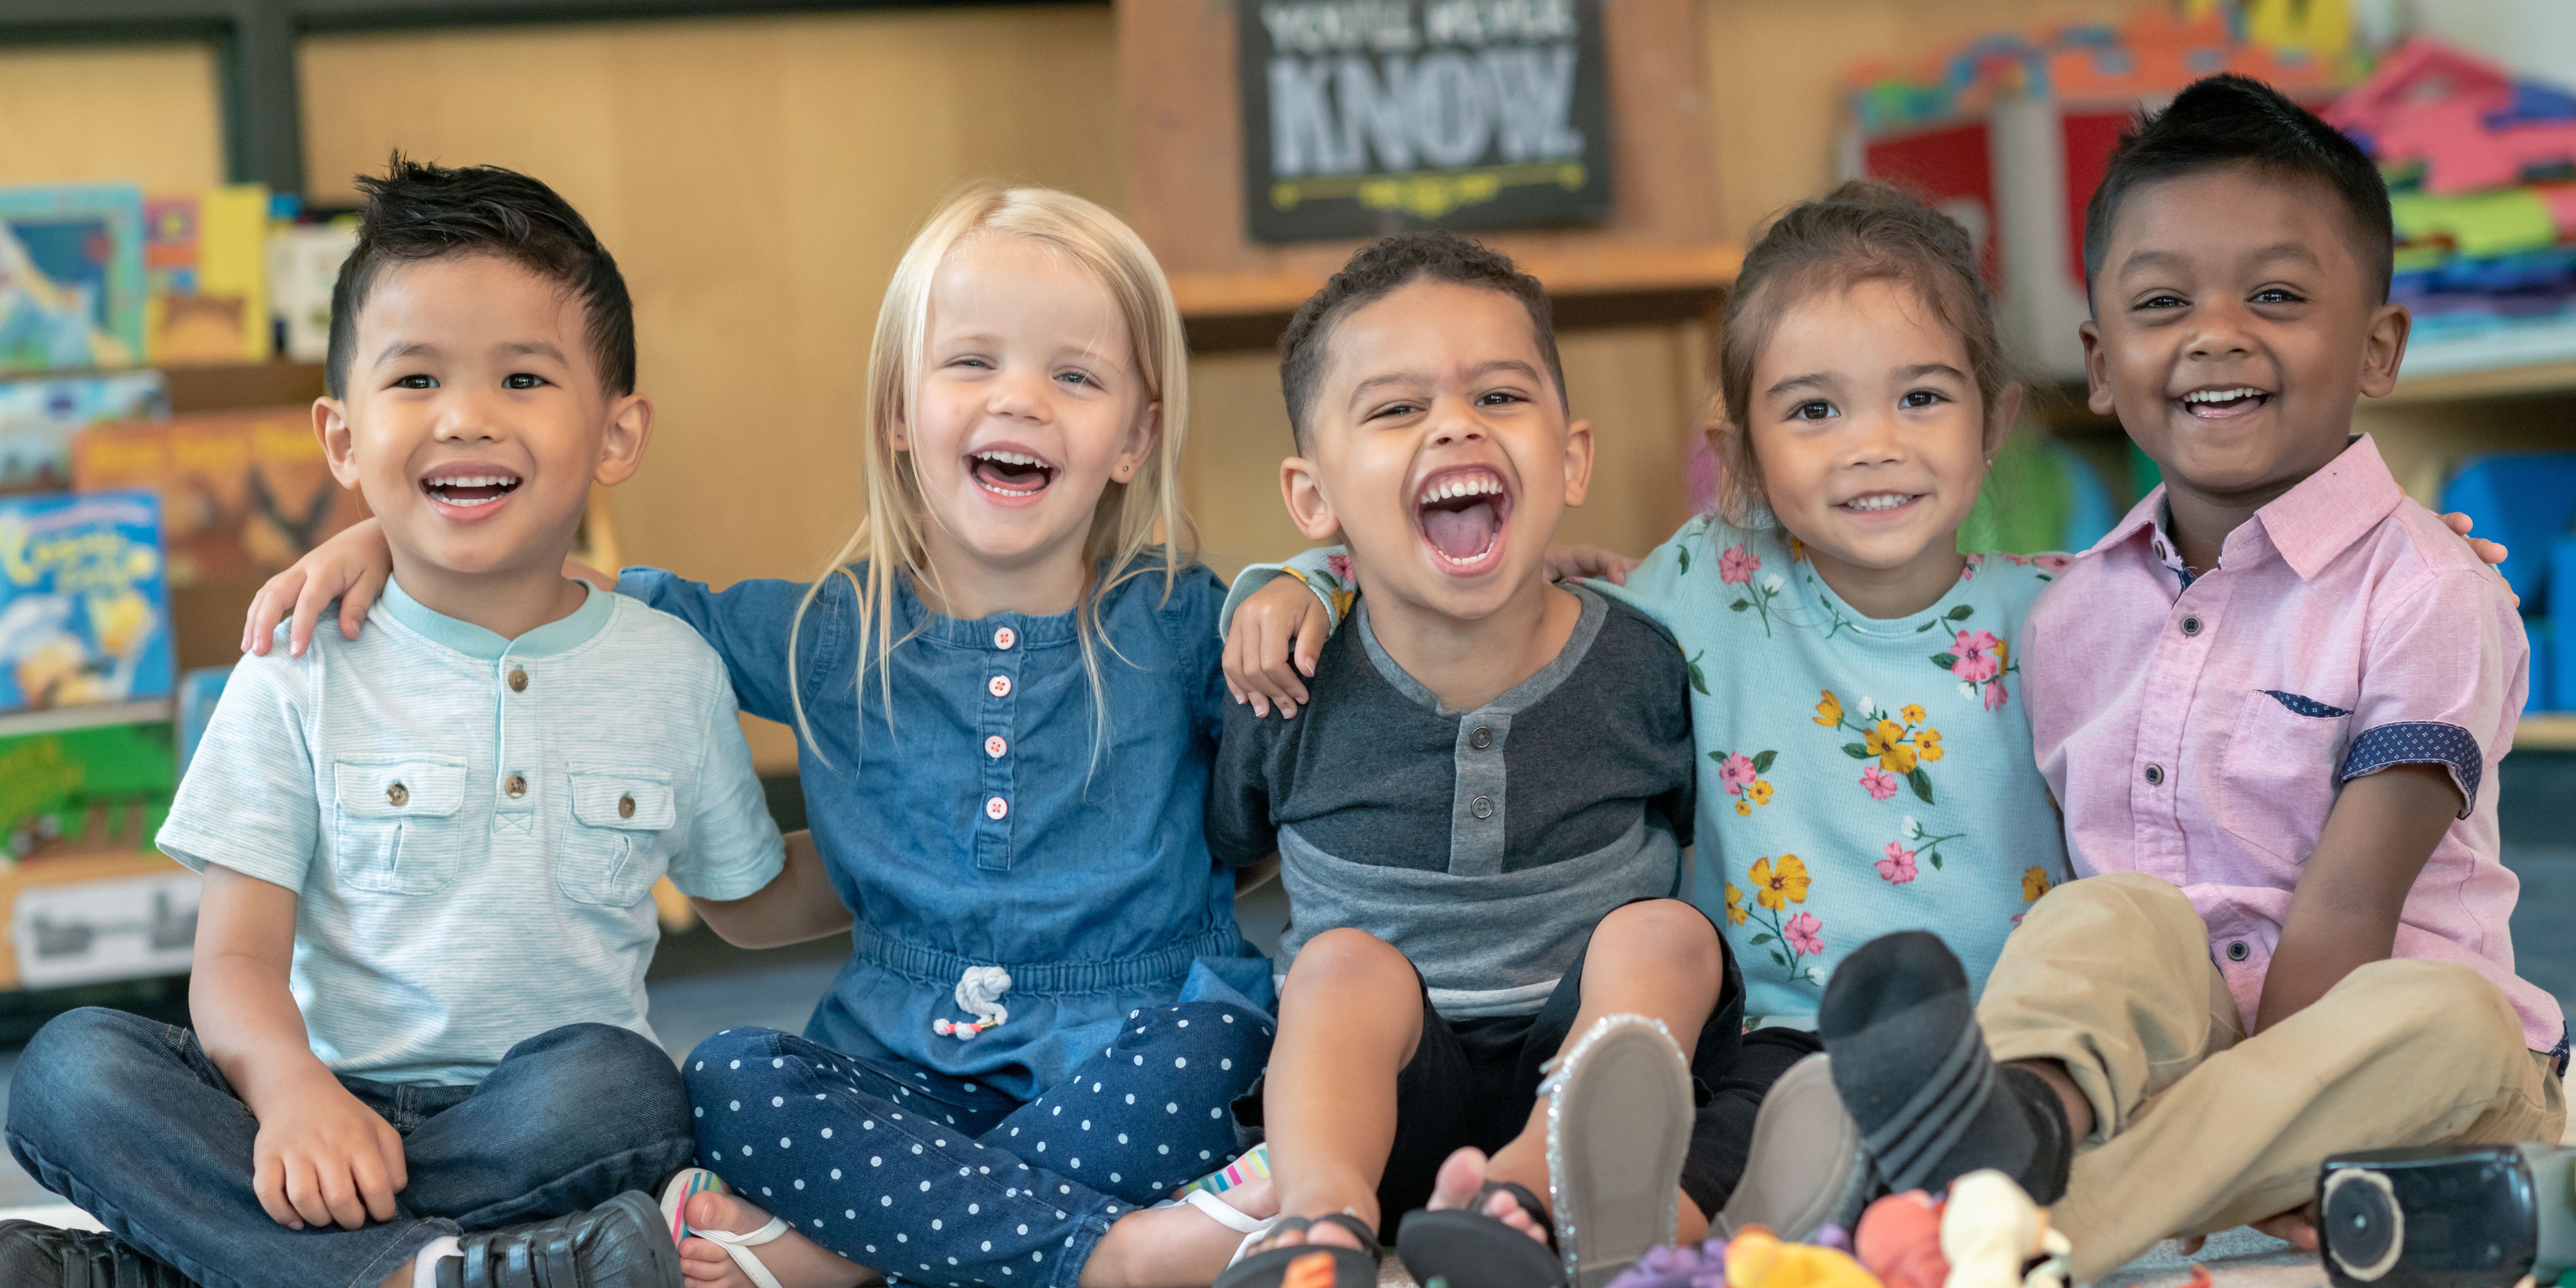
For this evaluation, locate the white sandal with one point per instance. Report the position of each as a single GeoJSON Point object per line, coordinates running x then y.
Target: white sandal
{"type": "Point", "coordinates": [1252, 1228]}
{"type": "Point", "coordinates": [698, 1180]}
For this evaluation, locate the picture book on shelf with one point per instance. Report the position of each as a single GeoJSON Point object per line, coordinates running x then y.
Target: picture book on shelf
{"type": "Point", "coordinates": [39, 417]}
{"type": "Point", "coordinates": [84, 604]}
{"type": "Point", "coordinates": [71, 276]}
{"type": "Point", "coordinates": [303, 265]}
{"type": "Point", "coordinates": [242, 493]}
{"type": "Point", "coordinates": [75, 791]}
{"type": "Point", "coordinates": [205, 262]}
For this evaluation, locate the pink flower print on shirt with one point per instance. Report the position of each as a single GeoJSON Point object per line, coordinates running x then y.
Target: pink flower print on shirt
{"type": "Point", "coordinates": [1898, 867]}
{"type": "Point", "coordinates": [1737, 565]}
{"type": "Point", "coordinates": [1880, 783]}
{"type": "Point", "coordinates": [1979, 656]}
{"type": "Point", "coordinates": [1341, 566]}
{"type": "Point", "coordinates": [1737, 773]}
{"type": "Point", "coordinates": [1802, 932]}
{"type": "Point", "coordinates": [1995, 695]}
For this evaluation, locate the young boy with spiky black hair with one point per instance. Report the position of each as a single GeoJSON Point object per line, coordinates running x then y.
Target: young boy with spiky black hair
{"type": "Point", "coordinates": [2269, 702]}
{"type": "Point", "coordinates": [420, 1055]}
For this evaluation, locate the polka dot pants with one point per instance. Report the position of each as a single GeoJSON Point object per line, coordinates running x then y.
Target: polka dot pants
{"type": "Point", "coordinates": [938, 1180]}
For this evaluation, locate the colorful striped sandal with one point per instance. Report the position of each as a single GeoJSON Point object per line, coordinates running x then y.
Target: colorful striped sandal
{"type": "Point", "coordinates": [693, 1181]}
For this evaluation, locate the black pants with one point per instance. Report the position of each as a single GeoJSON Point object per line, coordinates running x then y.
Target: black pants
{"type": "Point", "coordinates": [1474, 1082]}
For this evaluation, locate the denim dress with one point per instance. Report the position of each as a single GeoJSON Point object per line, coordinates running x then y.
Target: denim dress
{"type": "Point", "coordinates": [999, 819]}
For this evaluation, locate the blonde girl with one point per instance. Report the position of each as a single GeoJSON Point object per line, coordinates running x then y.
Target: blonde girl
{"type": "Point", "coordinates": [1008, 693]}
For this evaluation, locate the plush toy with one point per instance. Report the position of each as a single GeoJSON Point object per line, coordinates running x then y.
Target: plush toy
{"type": "Point", "coordinates": [1990, 1230]}
{"type": "Point", "coordinates": [1755, 1258]}
{"type": "Point", "coordinates": [1899, 1240]}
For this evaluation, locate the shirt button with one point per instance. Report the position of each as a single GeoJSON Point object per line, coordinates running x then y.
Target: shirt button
{"type": "Point", "coordinates": [516, 785]}
{"type": "Point", "coordinates": [1005, 638]}
{"type": "Point", "coordinates": [397, 795]}
{"type": "Point", "coordinates": [2237, 951]}
{"type": "Point", "coordinates": [1481, 739]}
{"type": "Point", "coordinates": [1481, 807]}
{"type": "Point", "coordinates": [999, 686]}
{"type": "Point", "coordinates": [994, 746]}
{"type": "Point", "coordinates": [518, 680]}
{"type": "Point", "coordinates": [995, 808]}
{"type": "Point", "coordinates": [2155, 775]}
{"type": "Point", "coordinates": [626, 807]}
{"type": "Point", "coordinates": [2191, 626]}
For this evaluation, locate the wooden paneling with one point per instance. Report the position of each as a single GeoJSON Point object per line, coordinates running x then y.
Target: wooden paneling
{"type": "Point", "coordinates": [145, 113]}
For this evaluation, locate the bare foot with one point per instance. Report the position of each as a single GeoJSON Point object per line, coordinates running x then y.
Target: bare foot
{"type": "Point", "coordinates": [2291, 1227]}
{"type": "Point", "coordinates": [797, 1261]}
{"type": "Point", "coordinates": [1174, 1247]}
{"type": "Point", "coordinates": [1462, 1175]}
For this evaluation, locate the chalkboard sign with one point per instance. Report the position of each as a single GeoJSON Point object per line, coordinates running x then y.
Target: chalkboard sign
{"type": "Point", "coordinates": [1364, 117]}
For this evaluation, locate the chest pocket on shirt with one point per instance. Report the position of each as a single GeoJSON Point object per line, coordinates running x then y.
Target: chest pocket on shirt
{"type": "Point", "coordinates": [613, 852]}
{"type": "Point", "coordinates": [2279, 765]}
{"type": "Point", "coordinates": [397, 826]}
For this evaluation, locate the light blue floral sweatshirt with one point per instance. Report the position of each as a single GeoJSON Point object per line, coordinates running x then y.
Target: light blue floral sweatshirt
{"type": "Point", "coordinates": [1856, 776]}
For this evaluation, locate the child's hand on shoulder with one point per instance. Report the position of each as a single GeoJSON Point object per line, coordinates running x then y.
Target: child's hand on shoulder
{"type": "Point", "coordinates": [351, 567]}
{"type": "Point", "coordinates": [1565, 563]}
{"type": "Point", "coordinates": [2491, 551]}
{"type": "Point", "coordinates": [328, 1161]}
{"type": "Point", "coordinates": [1279, 630]}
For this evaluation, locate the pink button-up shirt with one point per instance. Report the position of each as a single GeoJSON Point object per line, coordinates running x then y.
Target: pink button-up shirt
{"type": "Point", "coordinates": [2199, 730]}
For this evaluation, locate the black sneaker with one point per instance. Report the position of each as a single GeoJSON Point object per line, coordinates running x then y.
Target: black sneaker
{"type": "Point", "coordinates": [622, 1243]}
{"type": "Point", "coordinates": [42, 1256]}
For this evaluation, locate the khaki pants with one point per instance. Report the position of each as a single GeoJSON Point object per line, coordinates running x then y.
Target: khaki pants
{"type": "Point", "coordinates": [2201, 1128]}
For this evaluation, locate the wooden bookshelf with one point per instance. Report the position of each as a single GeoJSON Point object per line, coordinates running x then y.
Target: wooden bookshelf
{"type": "Point", "coordinates": [2546, 731]}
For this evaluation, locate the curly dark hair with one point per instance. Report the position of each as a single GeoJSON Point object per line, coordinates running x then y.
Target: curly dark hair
{"type": "Point", "coordinates": [2233, 120]}
{"type": "Point", "coordinates": [1859, 232]}
{"type": "Point", "coordinates": [1375, 272]}
{"type": "Point", "coordinates": [418, 211]}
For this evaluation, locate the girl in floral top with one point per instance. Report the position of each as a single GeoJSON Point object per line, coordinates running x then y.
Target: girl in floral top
{"type": "Point", "coordinates": [1864, 766]}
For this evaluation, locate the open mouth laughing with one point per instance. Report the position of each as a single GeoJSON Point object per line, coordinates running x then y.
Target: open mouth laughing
{"type": "Point", "coordinates": [1461, 514]}
{"type": "Point", "coordinates": [2224, 402]}
{"type": "Point", "coordinates": [1875, 504]}
{"type": "Point", "coordinates": [1010, 473]}
{"type": "Point", "coordinates": [469, 490]}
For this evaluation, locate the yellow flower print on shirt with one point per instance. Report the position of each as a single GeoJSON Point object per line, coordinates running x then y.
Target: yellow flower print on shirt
{"type": "Point", "coordinates": [1927, 744]}
{"type": "Point", "coordinates": [1735, 912]}
{"type": "Point", "coordinates": [1913, 714]}
{"type": "Point", "coordinates": [2034, 883]}
{"type": "Point", "coordinates": [1829, 712]}
{"type": "Point", "coordinates": [1760, 791]}
{"type": "Point", "coordinates": [1887, 741]}
{"type": "Point", "coordinates": [1780, 884]}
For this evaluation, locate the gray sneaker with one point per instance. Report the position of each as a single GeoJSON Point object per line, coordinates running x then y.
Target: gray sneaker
{"type": "Point", "coordinates": [36, 1254]}
{"type": "Point", "coordinates": [622, 1243]}
{"type": "Point", "coordinates": [1805, 1169]}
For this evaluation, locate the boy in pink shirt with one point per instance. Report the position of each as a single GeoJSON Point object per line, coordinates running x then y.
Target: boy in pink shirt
{"type": "Point", "coordinates": [2269, 703]}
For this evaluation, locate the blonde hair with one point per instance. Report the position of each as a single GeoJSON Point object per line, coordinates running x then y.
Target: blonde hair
{"type": "Point", "coordinates": [1131, 518]}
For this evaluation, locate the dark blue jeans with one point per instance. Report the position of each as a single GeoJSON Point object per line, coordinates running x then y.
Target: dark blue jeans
{"type": "Point", "coordinates": [129, 1119]}
{"type": "Point", "coordinates": [937, 1180]}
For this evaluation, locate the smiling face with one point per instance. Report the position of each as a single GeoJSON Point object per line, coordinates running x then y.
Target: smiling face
{"type": "Point", "coordinates": [1029, 405]}
{"type": "Point", "coordinates": [2232, 349]}
{"type": "Point", "coordinates": [474, 421]}
{"type": "Point", "coordinates": [1871, 435]}
{"type": "Point", "coordinates": [1439, 448]}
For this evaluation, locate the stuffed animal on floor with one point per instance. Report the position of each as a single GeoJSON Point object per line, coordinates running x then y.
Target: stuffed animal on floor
{"type": "Point", "coordinates": [1986, 1234]}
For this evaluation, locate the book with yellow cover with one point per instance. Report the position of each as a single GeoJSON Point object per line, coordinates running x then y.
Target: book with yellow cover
{"type": "Point", "coordinates": [205, 261]}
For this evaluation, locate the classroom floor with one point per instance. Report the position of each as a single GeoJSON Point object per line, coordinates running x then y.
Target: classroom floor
{"type": "Point", "coordinates": [699, 985]}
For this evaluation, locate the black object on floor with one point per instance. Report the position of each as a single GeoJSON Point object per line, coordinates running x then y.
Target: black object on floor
{"type": "Point", "coordinates": [2448, 1216]}
{"type": "Point", "coordinates": [35, 1254]}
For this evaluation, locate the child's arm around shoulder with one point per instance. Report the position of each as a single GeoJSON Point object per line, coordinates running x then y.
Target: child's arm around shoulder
{"type": "Point", "coordinates": [755, 888]}
{"type": "Point", "coordinates": [2439, 675]}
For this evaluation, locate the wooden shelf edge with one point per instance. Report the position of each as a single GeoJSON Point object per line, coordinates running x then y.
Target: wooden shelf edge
{"type": "Point", "coordinates": [2493, 382]}
{"type": "Point", "coordinates": [2546, 731]}
{"type": "Point", "coordinates": [1596, 271]}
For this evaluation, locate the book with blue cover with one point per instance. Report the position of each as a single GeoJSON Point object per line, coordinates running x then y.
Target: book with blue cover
{"type": "Point", "coordinates": [40, 417]}
{"type": "Point", "coordinates": [84, 601]}
{"type": "Point", "coordinates": [71, 276]}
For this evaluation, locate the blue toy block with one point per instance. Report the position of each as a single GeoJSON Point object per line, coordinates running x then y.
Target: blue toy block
{"type": "Point", "coordinates": [2560, 634]}
{"type": "Point", "coordinates": [2527, 500]}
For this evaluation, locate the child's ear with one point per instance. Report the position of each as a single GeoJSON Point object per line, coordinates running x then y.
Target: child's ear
{"type": "Point", "coordinates": [331, 425]}
{"type": "Point", "coordinates": [1307, 506]}
{"type": "Point", "coordinates": [2097, 370]}
{"type": "Point", "coordinates": [1140, 444]}
{"type": "Point", "coordinates": [2383, 349]}
{"type": "Point", "coordinates": [2001, 417]}
{"type": "Point", "coordinates": [621, 449]}
{"type": "Point", "coordinates": [1578, 462]}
